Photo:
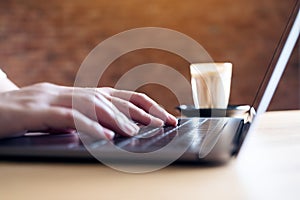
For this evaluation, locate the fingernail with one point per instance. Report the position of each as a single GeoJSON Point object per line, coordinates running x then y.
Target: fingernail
{"type": "Point", "coordinates": [131, 129]}
{"type": "Point", "coordinates": [157, 122]}
{"type": "Point", "coordinates": [109, 134]}
{"type": "Point", "coordinates": [172, 119]}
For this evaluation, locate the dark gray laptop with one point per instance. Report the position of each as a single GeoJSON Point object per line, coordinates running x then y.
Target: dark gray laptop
{"type": "Point", "coordinates": [215, 138]}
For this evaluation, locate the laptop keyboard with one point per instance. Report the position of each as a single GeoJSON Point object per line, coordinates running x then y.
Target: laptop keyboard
{"type": "Point", "coordinates": [195, 133]}
{"type": "Point", "coordinates": [150, 139]}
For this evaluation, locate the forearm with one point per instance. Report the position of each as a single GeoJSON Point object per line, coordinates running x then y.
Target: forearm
{"type": "Point", "coordinates": [6, 84]}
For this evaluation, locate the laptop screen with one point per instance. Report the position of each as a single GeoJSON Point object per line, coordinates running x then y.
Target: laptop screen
{"type": "Point", "coordinates": [278, 62]}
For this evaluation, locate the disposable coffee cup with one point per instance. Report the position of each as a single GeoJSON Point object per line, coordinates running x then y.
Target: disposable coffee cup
{"type": "Point", "coordinates": [211, 84]}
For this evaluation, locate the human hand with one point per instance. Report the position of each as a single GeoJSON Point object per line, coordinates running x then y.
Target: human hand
{"type": "Point", "coordinates": [99, 112]}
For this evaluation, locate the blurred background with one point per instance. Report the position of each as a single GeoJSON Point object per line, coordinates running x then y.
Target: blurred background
{"type": "Point", "coordinates": [48, 41]}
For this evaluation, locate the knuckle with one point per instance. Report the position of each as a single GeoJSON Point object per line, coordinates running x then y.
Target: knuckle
{"type": "Point", "coordinates": [83, 99]}
{"type": "Point", "coordinates": [89, 99]}
{"type": "Point", "coordinates": [126, 104]}
{"type": "Point", "coordinates": [65, 114]}
{"type": "Point", "coordinates": [142, 96]}
{"type": "Point", "coordinates": [95, 125]}
{"type": "Point", "coordinates": [44, 85]}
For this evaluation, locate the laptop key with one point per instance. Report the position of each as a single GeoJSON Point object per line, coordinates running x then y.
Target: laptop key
{"type": "Point", "coordinates": [151, 139]}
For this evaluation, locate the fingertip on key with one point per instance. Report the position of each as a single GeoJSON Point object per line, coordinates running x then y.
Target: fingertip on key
{"type": "Point", "coordinates": [109, 134]}
{"type": "Point", "coordinates": [172, 120]}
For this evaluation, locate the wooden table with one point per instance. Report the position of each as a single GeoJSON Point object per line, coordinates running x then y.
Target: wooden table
{"type": "Point", "coordinates": [268, 167]}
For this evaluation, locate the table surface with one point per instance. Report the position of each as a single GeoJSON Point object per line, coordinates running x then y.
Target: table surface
{"type": "Point", "coordinates": [268, 167]}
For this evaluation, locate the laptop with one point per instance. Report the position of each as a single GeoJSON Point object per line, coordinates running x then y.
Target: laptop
{"type": "Point", "coordinates": [212, 139]}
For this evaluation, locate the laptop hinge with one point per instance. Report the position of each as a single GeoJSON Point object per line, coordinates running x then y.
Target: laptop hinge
{"type": "Point", "coordinates": [251, 113]}
{"type": "Point", "coordinates": [241, 133]}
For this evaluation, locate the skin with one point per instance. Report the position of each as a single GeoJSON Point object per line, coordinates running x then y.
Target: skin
{"type": "Point", "coordinates": [99, 112]}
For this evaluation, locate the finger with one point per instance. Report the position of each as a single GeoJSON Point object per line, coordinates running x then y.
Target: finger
{"type": "Point", "coordinates": [135, 113]}
{"type": "Point", "coordinates": [98, 108]}
{"type": "Point", "coordinates": [64, 118]}
{"type": "Point", "coordinates": [146, 103]}
{"type": "Point", "coordinates": [111, 117]}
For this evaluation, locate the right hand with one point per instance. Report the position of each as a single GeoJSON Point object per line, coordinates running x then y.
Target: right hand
{"type": "Point", "coordinates": [100, 112]}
